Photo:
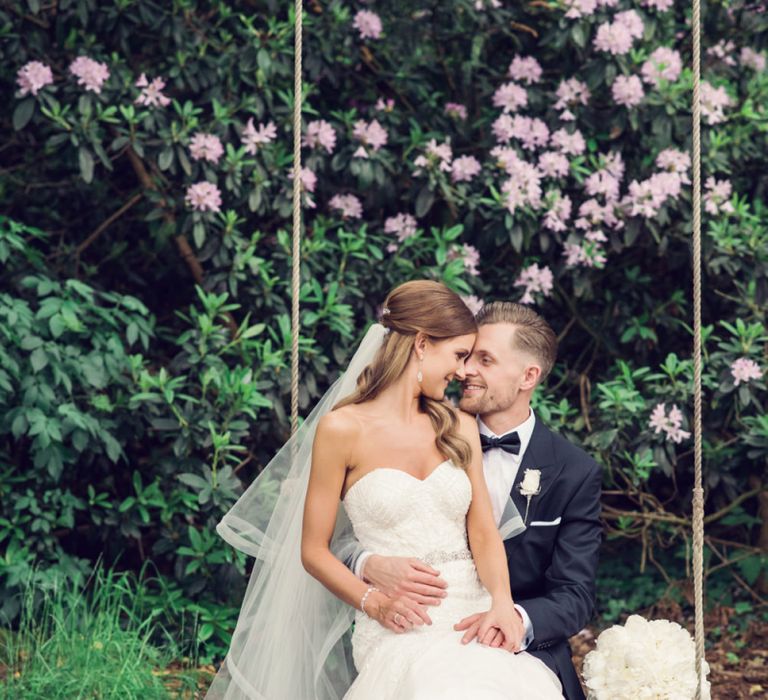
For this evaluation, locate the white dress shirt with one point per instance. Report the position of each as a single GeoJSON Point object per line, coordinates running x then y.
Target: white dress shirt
{"type": "Point", "coordinates": [500, 469]}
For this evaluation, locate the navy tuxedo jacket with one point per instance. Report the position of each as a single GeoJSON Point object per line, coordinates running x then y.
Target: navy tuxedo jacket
{"type": "Point", "coordinates": [553, 563]}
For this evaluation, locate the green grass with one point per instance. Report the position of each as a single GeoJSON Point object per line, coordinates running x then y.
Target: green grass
{"type": "Point", "coordinates": [92, 643]}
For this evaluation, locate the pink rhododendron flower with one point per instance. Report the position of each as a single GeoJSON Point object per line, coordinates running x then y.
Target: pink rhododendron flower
{"type": "Point", "coordinates": [371, 134]}
{"type": "Point", "coordinates": [320, 133]}
{"type": "Point", "coordinates": [674, 161]}
{"type": "Point", "coordinates": [723, 50]}
{"type": "Point", "coordinates": [532, 133]}
{"type": "Point", "coordinates": [613, 38]}
{"type": "Point", "coordinates": [717, 196]}
{"type": "Point", "coordinates": [570, 93]}
{"type": "Point", "coordinates": [572, 144]}
{"type": "Point", "coordinates": [455, 110]}
{"type": "Point", "coordinates": [660, 5]}
{"type": "Point", "coordinates": [506, 158]}
{"type": "Point", "coordinates": [580, 8]}
{"type": "Point", "coordinates": [471, 259]}
{"type": "Point", "coordinates": [253, 137]}
{"type": "Point", "coordinates": [536, 280]}
{"type": "Point", "coordinates": [502, 128]}
{"type": "Point", "coordinates": [510, 97]}
{"type": "Point", "coordinates": [481, 5]}
{"type": "Point", "coordinates": [465, 168]}
{"type": "Point", "coordinates": [474, 304]}
{"type": "Point", "coordinates": [524, 184]}
{"type": "Point", "coordinates": [632, 22]}
{"type": "Point", "coordinates": [308, 184]}
{"type": "Point", "coordinates": [602, 183]}
{"type": "Point", "coordinates": [33, 77]}
{"type": "Point", "coordinates": [469, 255]}
{"type": "Point", "coordinates": [206, 147]}
{"type": "Point", "coordinates": [383, 105]}
{"type": "Point", "coordinates": [713, 103]}
{"type": "Point", "coordinates": [401, 225]}
{"type": "Point", "coordinates": [89, 73]}
{"type": "Point", "coordinates": [744, 369]}
{"type": "Point", "coordinates": [556, 218]}
{"type": "Point", "coordinates": [584, 254]}
{"type": "Point", "coordinates": [752, 59]}
{"type": "Point", "coordinates": [593, 214]}
{"type": "Point", "coordinates": [368, 24]}
{"type": "Point", "coordinates": [349, 206]}
{"type": "Point", "coordinates": [646, 198]}
{"type": "Point", "coordinates": [525, 69]}
{"type": "Point", "coordinates": [627, 90]}
{"type": "Point", "coordinates": [553, 164]}
{"type": "Point", "coordinates": [614, 164]}
{"type": "Point", "coordinates": [663, 64]}
{"type": "Point", "coordinates": [203, 196]}
{"type": "Point", "coordinates": [670, 424]}
{"type": "Point", "coordinates": [437, 154]}
{"type": "Point", "coordinates": [151, 94]}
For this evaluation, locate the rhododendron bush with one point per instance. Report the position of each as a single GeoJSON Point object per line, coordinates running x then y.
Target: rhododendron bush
{"type": "Point", "coordinates": [530, 151]}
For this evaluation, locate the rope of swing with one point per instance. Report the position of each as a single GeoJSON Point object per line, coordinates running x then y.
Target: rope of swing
{"type": "Point", "coordinates": [296, 251]}
{"type": "Point", "coordinates": [698, 491]}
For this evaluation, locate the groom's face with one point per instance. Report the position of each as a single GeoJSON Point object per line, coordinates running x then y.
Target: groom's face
{"type": "Point", "coordinates": [495, 371]}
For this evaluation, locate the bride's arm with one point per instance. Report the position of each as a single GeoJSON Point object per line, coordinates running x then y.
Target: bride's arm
{"type": "Point", "coordinates": [329, 465]}
{"type": "Point", "coordinates": [488, 550]}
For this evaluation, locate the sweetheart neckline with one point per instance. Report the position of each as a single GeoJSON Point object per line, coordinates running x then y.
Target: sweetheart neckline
{"type": "Point", "coordinates": [395, 469]}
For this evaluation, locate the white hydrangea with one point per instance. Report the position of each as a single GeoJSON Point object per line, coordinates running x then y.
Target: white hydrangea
{"type": "Point", "coordinates": [644, 660]}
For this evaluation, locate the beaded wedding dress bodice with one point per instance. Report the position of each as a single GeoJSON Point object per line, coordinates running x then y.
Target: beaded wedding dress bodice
{"type": "Point", "coordinates": [396, 514]}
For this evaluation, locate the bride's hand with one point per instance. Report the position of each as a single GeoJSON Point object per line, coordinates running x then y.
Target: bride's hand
{"type": "Point", "coordinates": [405, 576]}
{"type": "Point", "coordinates": [501, 626]}
{"type": "Point", "coordinates": [398, 614]}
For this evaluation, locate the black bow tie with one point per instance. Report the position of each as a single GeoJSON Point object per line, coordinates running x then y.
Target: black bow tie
{"type": "Point", "coordinates": [509, 443]}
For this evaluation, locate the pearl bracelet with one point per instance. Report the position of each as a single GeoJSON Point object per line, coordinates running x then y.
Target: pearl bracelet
{"type": "Point", "coordinates": [365, 597]}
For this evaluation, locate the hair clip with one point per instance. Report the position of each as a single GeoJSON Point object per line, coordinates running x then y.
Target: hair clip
{"type": "Point", "coordinates": [385, 311]}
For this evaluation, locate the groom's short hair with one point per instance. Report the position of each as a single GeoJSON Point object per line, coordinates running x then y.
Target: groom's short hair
{"type": "Point", "coordinates": [532, 333]}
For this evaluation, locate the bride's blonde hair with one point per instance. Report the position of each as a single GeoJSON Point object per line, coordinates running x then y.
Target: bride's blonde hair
{"type": "Point", "coordinates": [439, 313]}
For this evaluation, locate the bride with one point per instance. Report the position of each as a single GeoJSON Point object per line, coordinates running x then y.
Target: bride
{"type": "Point", "coordinates": [406, 469]}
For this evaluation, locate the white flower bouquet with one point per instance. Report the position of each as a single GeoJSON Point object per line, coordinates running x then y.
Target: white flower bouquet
{"type": "Point", "coordinates": [644, 660]}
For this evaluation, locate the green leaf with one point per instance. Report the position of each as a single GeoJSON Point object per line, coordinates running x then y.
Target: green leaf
{"type": "Point", "coordinates": [751, 568]}
{"type": "Point", "coordinates": [198, 234]}
{"type": "Point", "coordinates": [424, 201]}
{"type": "Point", "coordinates": [23, 113]}
{"type": "Point", "coordinates": [85, 160]}
{"type": "Point", "coordinates": [112, 446]}
{"type": "Point", "coordinates": [264, 60]}
{"type": "Point", "coordinates": [165, 158]}
{"type": "Point", "coordinates": [38, 359]}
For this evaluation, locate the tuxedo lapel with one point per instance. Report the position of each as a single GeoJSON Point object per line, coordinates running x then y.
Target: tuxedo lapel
{"type": "Point", "coordinates": [540, 454]}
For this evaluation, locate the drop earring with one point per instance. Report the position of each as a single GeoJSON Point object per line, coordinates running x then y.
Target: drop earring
{"type": "Point", "coordinates": [419, 374]}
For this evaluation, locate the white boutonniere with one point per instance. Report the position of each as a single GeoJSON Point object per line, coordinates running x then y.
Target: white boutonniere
{"type": "Point", "coordinates": [530, 486]}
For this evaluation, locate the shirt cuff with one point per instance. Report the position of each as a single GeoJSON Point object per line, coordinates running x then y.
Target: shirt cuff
{"type": "Point", "coordinates": [360, 563]}
{"type": "Point", "coordinates": [528, 627]}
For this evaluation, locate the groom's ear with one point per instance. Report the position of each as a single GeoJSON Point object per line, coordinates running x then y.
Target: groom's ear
{"type": "Point", "coordinates": [531, 377]}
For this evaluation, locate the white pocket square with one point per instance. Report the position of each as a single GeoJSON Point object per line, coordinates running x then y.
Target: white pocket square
{"type": "Point", "coordinates": [544, 523]}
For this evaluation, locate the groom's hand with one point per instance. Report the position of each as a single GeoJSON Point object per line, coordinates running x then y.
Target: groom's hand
{"type": "Point", "coordinates": [405, 576]}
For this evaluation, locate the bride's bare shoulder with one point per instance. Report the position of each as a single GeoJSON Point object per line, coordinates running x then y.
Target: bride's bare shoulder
{"type": "Point", "coordinates": [341, 424]}
{"type": "Point", "coordinates": [467, 422]}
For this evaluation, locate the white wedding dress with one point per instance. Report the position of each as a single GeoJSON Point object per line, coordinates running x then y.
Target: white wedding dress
{"type": "Point", "coordinates": [396, 514]}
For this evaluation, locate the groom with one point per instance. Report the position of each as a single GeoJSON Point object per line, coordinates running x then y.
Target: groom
{"type": "Point", "coordinates": [553, 562]}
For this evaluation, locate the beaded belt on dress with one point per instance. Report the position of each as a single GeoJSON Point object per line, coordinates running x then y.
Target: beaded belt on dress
{"type": "Point", "coordinates": [443, 557]}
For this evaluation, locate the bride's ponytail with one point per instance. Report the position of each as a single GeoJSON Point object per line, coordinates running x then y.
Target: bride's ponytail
{"type": "Point", "coordinates": [439, 313]}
